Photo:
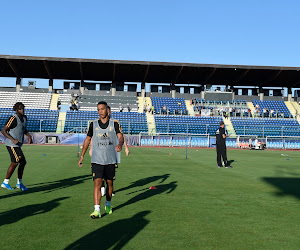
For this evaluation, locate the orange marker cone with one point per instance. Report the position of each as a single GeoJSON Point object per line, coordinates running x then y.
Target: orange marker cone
{"type": "Point", "coordinates": [152, 187]}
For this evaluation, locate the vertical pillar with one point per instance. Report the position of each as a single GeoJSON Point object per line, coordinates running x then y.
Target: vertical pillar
{"type": "Point", "coordinates": [143, 92]}
{"type": "Point", "coordinates": [261, 94]}
{"type": "Point", "coordinates": [113, 89]}
{"type": "Point", "coordinates": [18, 84]}
{"type": "Point", "coordinates": [173, 90]}
{"type": "Point", "coordinates": [82, 87]}
{"type": "Point", "coordinates": [51, 85]}
{"type": "Point", "coordinates": [290, 98]}
{"type": "Point", "coordinates": [202, 93]}
{"type": "Point", "coordinates": [233, 93]}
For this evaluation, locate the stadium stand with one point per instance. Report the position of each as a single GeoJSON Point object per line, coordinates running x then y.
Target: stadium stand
{"type": "Point", "coordinates": [65, 99]}
{"type": "Point", "coordinates": [89, 102]}
{"type": "Point", "coordinates": [39, 120]}
{"type": "Point", "coordinates": [131, 122]}
{"type": "Point", "coordinates": [173, 105]}
{"type": "Point", "coordinates": [263, 127]}
{"type": "Point", "coordinates": [272, 109]}
{"type": "Point", "coordinates": [30, 100]}
{"type": "Point", "coordinates": [187, 124]}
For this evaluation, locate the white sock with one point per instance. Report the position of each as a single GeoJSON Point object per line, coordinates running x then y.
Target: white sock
{"type": "Point", "coordinates": [6, 181]}
{"type": "Point", "coordinates": [19, 181]}
{"type": "Point", "coordinates": [108, 203]}
{"type": "Point", "coordinates": [97, 208]}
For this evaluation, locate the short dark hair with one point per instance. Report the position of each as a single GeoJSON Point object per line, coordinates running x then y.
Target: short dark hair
{"type": "Point", "coordinates": [102, 102]}
{"type": "Point", "coordinates": [108, 107]}
{"type": "Point", "coordinates": [221, 123]}
{"type": "Point", "coordinates": [18, 105]}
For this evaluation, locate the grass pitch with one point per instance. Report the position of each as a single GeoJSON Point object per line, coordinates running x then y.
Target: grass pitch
{"type": "Point", "coordinates": [255, 205]}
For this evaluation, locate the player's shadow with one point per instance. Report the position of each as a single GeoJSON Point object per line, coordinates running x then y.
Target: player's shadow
{"type": "Point", "coordinates": [114, 235]}
{"type": "Point", "coordinates": [49, 186]}
{"type": "Point", "coordinates": [230, 162]}
{"type": "Point", "coordinates": [145, 181]}
{"type": "Point", "coordinates": [287, 186]}
{"type": "Point", "coordinates": [162, 188]}
{"type": "Point", "coordinates": [20, 213]}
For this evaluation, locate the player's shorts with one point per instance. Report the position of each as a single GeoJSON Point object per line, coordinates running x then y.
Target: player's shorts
{"type": "Point", "coordinates": [106, 172]}
{"type": "Point", "coordinates": [16, 154]}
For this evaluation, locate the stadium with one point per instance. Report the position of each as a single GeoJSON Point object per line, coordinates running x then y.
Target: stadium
{"type": "Point", "coordinates": [170, 129]}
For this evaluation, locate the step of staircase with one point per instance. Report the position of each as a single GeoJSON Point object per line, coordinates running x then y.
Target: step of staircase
{"type": "Point", "coordinates": [54, 99]}
{"type": "Point", "coordinates": [190, 108]}
{"type": "Point", "coordinates": [151, 123]}
{"type": "Point", "coordinates": [229, 126]}
{"type": "Point", "coordinates": [61, 122]}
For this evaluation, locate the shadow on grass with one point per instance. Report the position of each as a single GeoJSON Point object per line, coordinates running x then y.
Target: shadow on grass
{"type": "Point", "coordinates": [20, 213]}
{"type": "Point", "coordinates": [162, 188]}
{"type": "Point", "coordinates": [48, 186]}
{"type": "Point", "coordinates": [287, 186]}
{"type": "Point", "coordinates": [145, 181]}
{"type": "Point", "coordinates": [230, 162]}
{"type": "Point", "coordinates": [114, 235]}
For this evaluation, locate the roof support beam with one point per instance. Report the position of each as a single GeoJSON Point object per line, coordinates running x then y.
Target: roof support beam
{"type": "Point", "coordinates": [13, 68]}
{"type": "Point", "coordinates": [273, 77]}
{"type": "Point", "coordinates": [146, 73]}
{"type": "Point", "coordinates": [179, 73]}
{"type": "Point", "coordinates": [46, 65]}
{"type": "Point", "coordinates": [213, 70]}
{"type": "Point", "coordinates": [114, 72]}
{"type": "Point", "coordinates": [242, 75]}
{"type": "Point", "coordinates": [81, 71]}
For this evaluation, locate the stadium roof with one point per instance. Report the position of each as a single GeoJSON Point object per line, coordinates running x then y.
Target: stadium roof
{"type": "Point", "coordinates": [150, 72]}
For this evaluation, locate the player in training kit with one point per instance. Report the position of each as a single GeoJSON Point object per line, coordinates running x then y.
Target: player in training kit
{"type": "Point", "coordinates": [107, 141]}
{"type": "Point", "coordinates": [14, 131]}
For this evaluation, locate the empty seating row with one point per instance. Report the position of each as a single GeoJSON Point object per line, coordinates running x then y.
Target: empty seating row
{"type": "Point", "coordinates": [172, 105]}
{"type": "Point", "coordinates": [272, 108]}
{"type": "Point", "coordinates": [30, 100]}
{"type": "Point", "coordinates": [185, 124]}
{"type": "Point", "coordinates": [131, 122]}
{"type": "Point", "coordinates": [39, 120]}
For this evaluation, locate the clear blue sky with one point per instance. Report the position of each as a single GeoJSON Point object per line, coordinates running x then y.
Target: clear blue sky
{"type": "Point", "coordinates": [218, 32]}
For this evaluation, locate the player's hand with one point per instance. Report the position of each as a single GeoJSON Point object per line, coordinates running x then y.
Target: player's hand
{"type": "Point", "coordinates": [127, 151]}
{"type": "Point", "coordinates": [118, 148]}
{"type": "Point", "coordinates": [80, 161]}
{"type": "Point", "coordinates": [16, 141]}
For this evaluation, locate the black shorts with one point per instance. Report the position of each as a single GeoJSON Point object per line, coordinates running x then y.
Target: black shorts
{"type": "Point", "coordinates": [16, 154]}
{"type": "Point", "coordinates": [106, 172]}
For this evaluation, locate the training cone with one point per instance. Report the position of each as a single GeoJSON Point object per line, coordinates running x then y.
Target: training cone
{"type": "Point", "coordinates": [170, 154]}
{"type": "Point", "coordinates": [152, 187]}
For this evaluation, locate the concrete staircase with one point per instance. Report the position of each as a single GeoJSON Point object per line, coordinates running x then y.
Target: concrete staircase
{"type": "Point", "coordinates": [291, 108]}
{"type": "Point", "coordinates": [142, 102]}
{"type": "Point", "coordinates": [251, 107]}
{"type": "Point", "coordinates": [297, 109]}
{"type": "Point", "coordinates": [190, 108]}
{"type": "Point", "coordinates": [53, 104]}
{"type": "Point", "coordinates": [151, 123]}
{"type": "Point", "coordinates": [229, 126]}
{"type": "Point", "coordinates": [61, 122]}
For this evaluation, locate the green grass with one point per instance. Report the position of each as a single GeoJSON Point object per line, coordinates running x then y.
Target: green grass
{"type": "Point", "coordinates": [255, 205]}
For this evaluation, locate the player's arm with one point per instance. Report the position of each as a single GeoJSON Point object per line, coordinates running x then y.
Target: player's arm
{"type": "Point", "coordinates": [126, 146]}
{"type": "Point", "coordinates": [86, 144]}
{"type": "Point", "coordinates": [11, 123]}
{"type": "Point", "coordinates": [119, 133]}
{"type": "Point", "coordinates": [91, 144]}
{"type": "Point", "coordinates": [121, 141]}
{"type": "Point", "coordinates": [27, 134]}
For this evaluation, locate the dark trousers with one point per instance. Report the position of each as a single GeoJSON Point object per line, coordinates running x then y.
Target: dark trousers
{"type": "Point", "coordinates": [221, 152]}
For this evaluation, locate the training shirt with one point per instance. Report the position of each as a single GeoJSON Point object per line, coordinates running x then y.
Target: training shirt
{"type": "Point", "coordinates": [16, 128]}
{"type": "Point", "coordinates": [117, 127]}
{"type": "Point", "coordinates": [219, 136]}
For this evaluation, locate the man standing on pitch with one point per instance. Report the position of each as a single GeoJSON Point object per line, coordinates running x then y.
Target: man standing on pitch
{"type": "Point", "coordinates": [221, 146]}
{"type": "Point", "coordinates": [104, 132]}
{"type": "Point", "coordinates": [14, 131]}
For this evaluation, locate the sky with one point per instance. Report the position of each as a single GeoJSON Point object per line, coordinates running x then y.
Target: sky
{"type": "Point", "coordinates": [264, 32]}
